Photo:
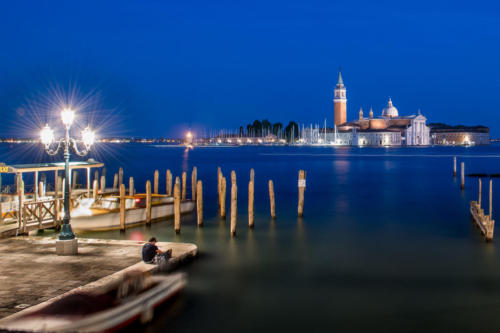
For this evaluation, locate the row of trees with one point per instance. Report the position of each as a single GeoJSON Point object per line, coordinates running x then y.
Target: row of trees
{"type": "Point", "coordinates": [264, 128]}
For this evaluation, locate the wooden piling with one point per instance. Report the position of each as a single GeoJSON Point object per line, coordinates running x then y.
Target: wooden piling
{"type": "Point", "coordinates": [20, 194]}
{"type": "Point", "coordinates": [40, 190]}
{"type": "Point", "coordinates": [223, 198]}
{"type": "Point", "coordinates": [131, 189]}
{"type": "Point", "coordinates": [462, 175]}
{"type": "Point", "coordinates": [122, 207]}
{"type": "Point", "coordinates": [480, 193]}
{"type": "Point", "coordinates": [95, 190]}
{"type": "Point", "coordinates": [491, 200]}
{"type": "Point", "coordinates": [199, 202]}
{"type": "Point", "coordinates": [194, 179]}
{"type": "Point", "coordinates": [184, 182]}
{"type": "Point", "coordinates": [148, 202]}
{"type": "Point", "coordinates": [103, 183]}
{"type": "Point", "coordinates": [234, 203]}
{"type": "Point", "coordinates": [251, 189]}
{"type": "Point", "coordinates": [454, 166]}
{"type": "Point", "coordinates": [302, 187]}
{"type": "Point", "coordinates": [96, 175]}
{"type": "Point", "coordinates": [156, 180]}
{"type": "Point", "coordinates": [219, 185]}
{"type": "Point", "coordinates": [177, 207]}
{"type": "Point", "coordinates": [75, 179]}
{"type": "Point", "coordinates": [120, 176]}
{"type": "Point", "coordinates": [115, 182]}
{"type": "Point", "coordinates": [169, 183]}
{"type": "Point", "coordinates": [271, 199]}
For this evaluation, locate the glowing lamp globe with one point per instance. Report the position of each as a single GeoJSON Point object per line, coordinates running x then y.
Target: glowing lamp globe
{"type": "Point", "coordinates": [47, 135]}
{"type": "Point", "coordinates": [67, 116]}
{"type": "Point", "coordinates": [88, 137]}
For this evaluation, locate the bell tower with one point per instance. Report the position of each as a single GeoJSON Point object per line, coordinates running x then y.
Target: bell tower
{"type": "Point", "coordinates": [339, 102]}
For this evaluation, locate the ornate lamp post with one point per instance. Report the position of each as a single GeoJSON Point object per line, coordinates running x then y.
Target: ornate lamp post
{"type": "Point", "coordinates": [47, 138]}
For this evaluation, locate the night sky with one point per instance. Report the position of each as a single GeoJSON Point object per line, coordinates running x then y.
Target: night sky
{"type": "Point", "coordinates": [157, 68]}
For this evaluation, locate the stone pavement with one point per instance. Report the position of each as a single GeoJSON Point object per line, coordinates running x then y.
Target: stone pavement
{"type": "Point", "coordinates": [31, 272]}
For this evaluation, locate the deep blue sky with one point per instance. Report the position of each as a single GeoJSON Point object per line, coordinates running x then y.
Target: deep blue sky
{"type": "Point", "coordinates": [156, 68]}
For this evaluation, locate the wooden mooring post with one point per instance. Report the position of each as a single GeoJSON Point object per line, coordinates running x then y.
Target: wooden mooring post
{"type": "Point", "coordinates": [148, 202]}
{"type": "Point", "coordinates": [219, 185]}
{"type": "Point", "coordinates": [184, 182]}
{"type": "Point", "coordinates": [131, 189]}
{"type": "Point", "coordinates": [234, 203]}
{"type": "Point", "coordinates": [251, 197]}
{"type": "Point", "coordinates": [194, 179]}
{"type": "Point", "coordinates": [199, 203]}
{"type": "Point", "coordinates": [454, 166]}
{"type": "Point", "coordinates": [223, 198]}
{"type": "Point", "coordinates": [302, 188]}
{"type": "Point", "coordinates": [462, 175]}
{"type": "Point", "coordinates": [115, 182]}
{"type": "Point", "coordinates": [120, 176]}
{"type": "Point", "coordinates": [480, 193]}
{"type": "Point", "coordinates": [169, 183]}
{"type": "Point", "coordinates": [103, 183]}
{"type": "Point", "coordinates": [122, 207]}
{"type": "Point", "coordinates": [484, 222]}
{"type": "Point", "coordinates": [177, 206]}
{"type": "Point", "coordinates": [95, 190]}
{"type": "Point", "coordinates": [156, 180]}
{"type": "Point", "coordinates": [491, 199]}
{"type": "Point", "coordinates": [271, 199]}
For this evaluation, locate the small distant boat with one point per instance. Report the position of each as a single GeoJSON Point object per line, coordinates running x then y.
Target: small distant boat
{"type": "Point", "coordinates": [134, 299]}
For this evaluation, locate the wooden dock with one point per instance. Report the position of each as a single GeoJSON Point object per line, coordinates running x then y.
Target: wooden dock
{"type": "Point", "coordinates": [484, 222]}
{"type": "Point", "coordinates": [99, 266]}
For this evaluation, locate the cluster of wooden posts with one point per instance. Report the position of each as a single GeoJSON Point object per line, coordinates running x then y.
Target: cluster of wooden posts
{"type": "Point", "coordinates": [222, 189]}
{"type": "Point", "coordinates": [178, 191]}
{"type": "Point", "coordinates": [484, 222]}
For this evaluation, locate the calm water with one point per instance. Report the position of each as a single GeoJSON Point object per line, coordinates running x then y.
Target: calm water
{"type": "Point", "coordinates": [385, 244]}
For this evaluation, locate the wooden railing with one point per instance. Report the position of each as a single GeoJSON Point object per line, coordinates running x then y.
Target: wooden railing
{"type": "Point", "coordinates": [39, 215]}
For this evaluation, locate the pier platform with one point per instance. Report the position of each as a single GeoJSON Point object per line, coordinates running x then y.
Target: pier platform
{"type": "Point", "coordinates": [32, 275]}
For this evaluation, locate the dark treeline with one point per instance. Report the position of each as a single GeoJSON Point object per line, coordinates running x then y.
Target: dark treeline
{"type": "Point", "coordinates": [259, 129]}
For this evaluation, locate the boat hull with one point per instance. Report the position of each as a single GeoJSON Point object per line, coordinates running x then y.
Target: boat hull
{"type": "Point", "coordinates": [133, 217]}
{"type": "Point", "coordinates": [140, 307]}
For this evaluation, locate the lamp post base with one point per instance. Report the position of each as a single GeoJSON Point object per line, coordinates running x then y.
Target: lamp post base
{"type": "Point", "coordinates": [67, 247]}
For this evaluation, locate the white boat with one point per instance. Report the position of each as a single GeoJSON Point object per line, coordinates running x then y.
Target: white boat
{"type": "Point", "coordinates": [136, 298]}
{"type": "Point", "coordinates": [106, 215]}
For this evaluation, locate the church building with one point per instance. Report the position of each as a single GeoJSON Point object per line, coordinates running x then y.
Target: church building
{"type": "Point", "coordinates": [388, 129]}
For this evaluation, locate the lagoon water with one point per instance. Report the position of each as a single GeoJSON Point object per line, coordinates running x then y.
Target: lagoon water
{"type": "Point", "coordinates": [385, 243]}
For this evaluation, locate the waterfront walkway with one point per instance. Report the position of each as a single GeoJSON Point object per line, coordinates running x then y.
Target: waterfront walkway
{"type": "Point", "coordinates": [31, 273]}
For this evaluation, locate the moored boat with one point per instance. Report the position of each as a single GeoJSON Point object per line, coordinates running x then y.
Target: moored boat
{"type": "Point", "coordinates": [134, 299]}
{"type": "Point", "coordinates": [106, 215]}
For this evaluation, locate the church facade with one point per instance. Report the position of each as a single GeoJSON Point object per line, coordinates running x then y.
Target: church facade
{"type": "Point", "coordinates": [388, 129]}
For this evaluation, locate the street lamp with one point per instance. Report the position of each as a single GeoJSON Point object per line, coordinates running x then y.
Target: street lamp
{"type": "Point", "coordinates": [47, 138]}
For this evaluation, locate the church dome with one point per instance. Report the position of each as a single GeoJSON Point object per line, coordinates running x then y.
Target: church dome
{"type": "Point", "coordinates": [390, 110]}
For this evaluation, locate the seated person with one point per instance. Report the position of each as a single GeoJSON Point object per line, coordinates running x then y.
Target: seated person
{"type": "Point", "coordinates": [151, 254]}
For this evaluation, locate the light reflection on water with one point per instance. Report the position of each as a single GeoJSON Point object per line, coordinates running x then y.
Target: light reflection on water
{"type": "Point", "coordinates": [385, 243]}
